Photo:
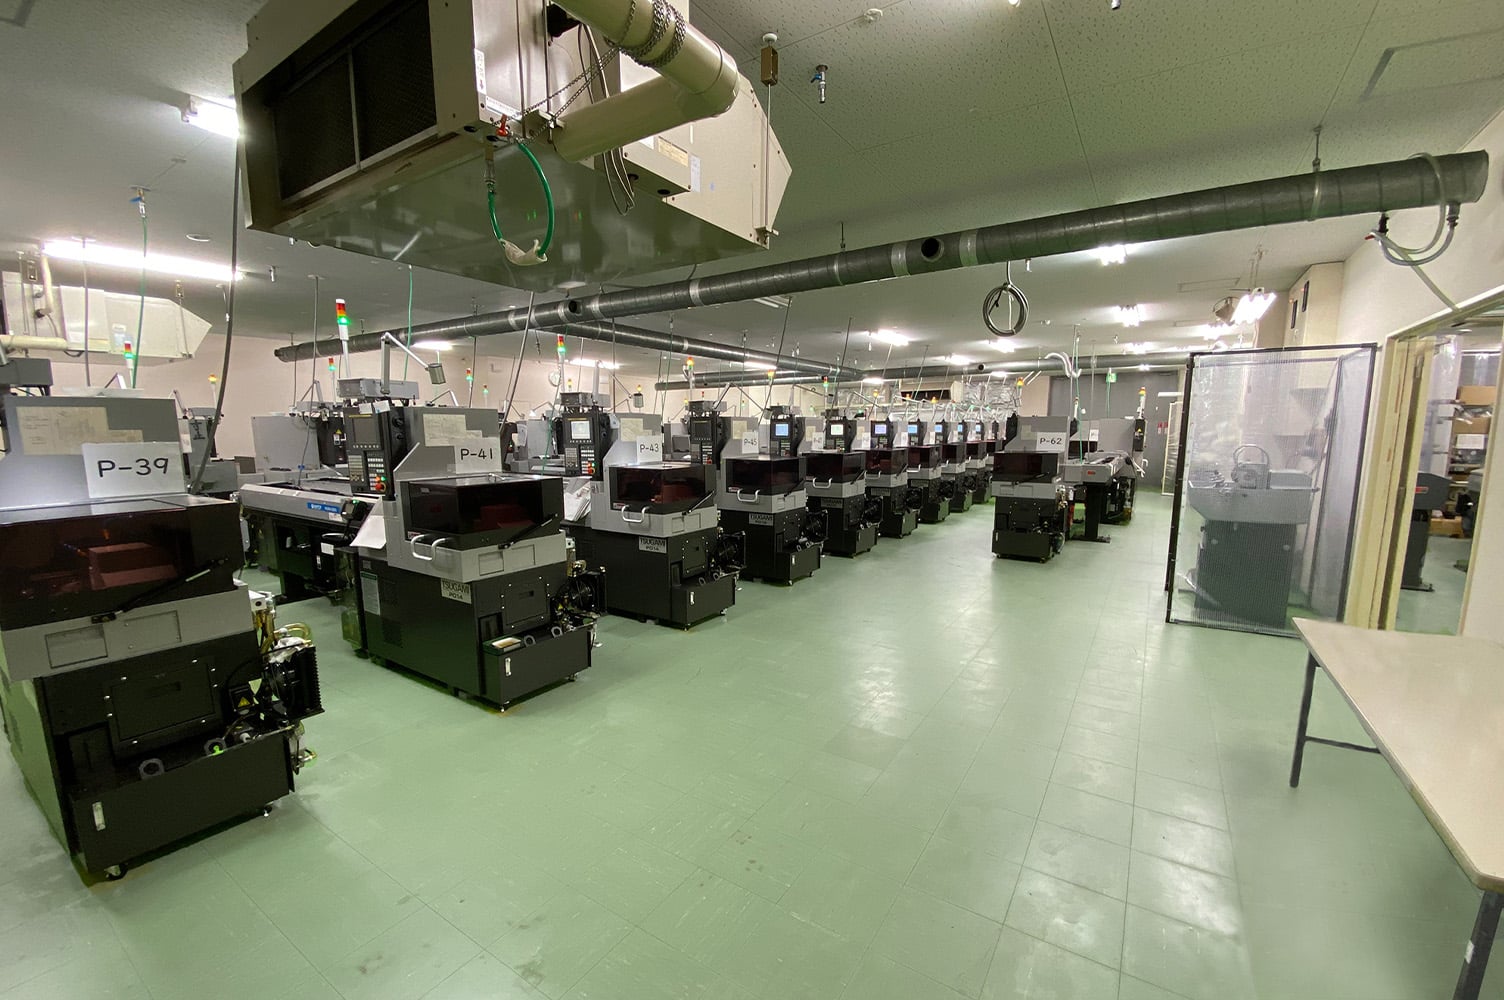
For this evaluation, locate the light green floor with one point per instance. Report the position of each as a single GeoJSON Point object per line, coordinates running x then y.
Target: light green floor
{"type": "Point", "coordinates": [1438, 610]}
{"type": "Point", "coordinates": [924, 773]}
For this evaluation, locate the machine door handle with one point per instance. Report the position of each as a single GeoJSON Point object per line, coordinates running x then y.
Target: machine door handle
{"type": "Point", "coordinates": [629, 520]}
{"type": "Point", "coordinates": [417, 542]}
{"type": "Point", "coordinates": [755, 495]}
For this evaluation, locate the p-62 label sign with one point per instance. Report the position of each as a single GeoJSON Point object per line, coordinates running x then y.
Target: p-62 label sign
{"type": "Point", "coordinates": [1051, 443]}
{"type": "Point", "coordinates": [148, 468]}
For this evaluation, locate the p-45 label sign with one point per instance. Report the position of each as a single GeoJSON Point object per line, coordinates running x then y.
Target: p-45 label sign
{"type": "Point", "coordinates": [148, 468]}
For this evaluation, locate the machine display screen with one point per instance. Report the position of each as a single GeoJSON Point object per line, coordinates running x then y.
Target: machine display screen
{"type": "Point", "coordinates": [837, 430]}
{"type": "Point", "coordinates": [913, 430]}
{"type": "Point", "coordinates": [579, 430]}
{"type": "Point", "coordinates": [781, 430]}
{"type": "Point", "coordinates": [976, 429]}
{"type": "Point", "coordinates": [879, 428]}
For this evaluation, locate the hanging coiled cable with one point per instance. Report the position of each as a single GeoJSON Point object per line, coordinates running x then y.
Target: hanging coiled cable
{"type": "Point", "coordinates": [995, 298]}
{"type": "Point", "coordinates": [1441, 238]}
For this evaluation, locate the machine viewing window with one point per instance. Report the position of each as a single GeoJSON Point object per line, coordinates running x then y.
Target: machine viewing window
{"type": "Point", "coordinates": [887, 461]}
{"type": "Point", "coordinates": [579, 430]}
{"type": "Point", "coordinates": [765, 476]}
{"type": "Point", "coordinates": [923, 456]}
{"type": "Point", "coordinates": [481, 511]}
{"type": "Point", "coordinates": [836, 466]}
{"type": "Point", "coordinates": [668, 488]}
{"type": "Point", "coordinates": [1023, 465]}
{"type": "Point", "coordinates": [87, 559]}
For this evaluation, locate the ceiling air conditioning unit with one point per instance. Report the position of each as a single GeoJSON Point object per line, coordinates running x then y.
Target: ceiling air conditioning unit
{"type": "Point", "coordinates": [377, 126]}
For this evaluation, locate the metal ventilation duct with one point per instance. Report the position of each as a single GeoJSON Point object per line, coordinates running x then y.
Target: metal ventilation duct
{"type": "Point", "coordinates": [1382, 187]}
{"type": "Point", "coordinates": [1118, 362]}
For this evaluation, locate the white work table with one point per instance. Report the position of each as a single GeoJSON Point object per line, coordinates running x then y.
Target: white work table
{"type": "Point", "coordinates": [1434, 707]}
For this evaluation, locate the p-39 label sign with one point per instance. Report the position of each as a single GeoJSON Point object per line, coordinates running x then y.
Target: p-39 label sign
{"type": "Point", "coordinates": [147, 468]}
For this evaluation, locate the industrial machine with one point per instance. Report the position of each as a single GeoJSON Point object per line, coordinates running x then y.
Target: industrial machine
{"type": "Point", "coordinates": [979, 448]}
{"type": "Point", "coordinates": [292, 445]}
{"type": "Point", "coordinates": [1246, 560]}
{"type": "Point", "coordinates": [1431, 493]}
{"type": "Point", "coordinates": [362, 134]}
{"type": "Point", "coordinates": [148, 697]}
{"type": "Point", "coordinates": [837, 487]}
{"type": "Point", "coordinates": [1032, 504]}
{"type": "Point", "coordinates": [649, 524]}
{"type": "Point", "coordinates": [888, 479]}
{"type": "Point", "coordinates": [931, 491]}
{"type": "Point", "coordinates": [954, 472]}
{"type": "Point", "coordinates": [221, 476]}
{"type": "Point", "coordinates": [762, 496]}
{"type": "Point", "coordinates": [464, 573]}
{"type": "Point", "coordinates": [304, 530]}
{"type": "Point", "coordinates": [1098, 483]}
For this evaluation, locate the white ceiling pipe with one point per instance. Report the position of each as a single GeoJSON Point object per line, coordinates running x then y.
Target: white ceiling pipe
{"type": "Point", "coordinates": [697, 79]}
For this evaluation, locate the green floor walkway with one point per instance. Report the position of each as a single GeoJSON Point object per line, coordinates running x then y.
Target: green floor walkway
{"type": "Point", "coordinates": [922, 774]}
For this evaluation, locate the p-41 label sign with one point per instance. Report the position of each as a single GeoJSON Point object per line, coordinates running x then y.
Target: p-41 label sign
{"type": "Point", "coordinates": [147, 468]}
{"type": "Point", "coordinates": [478, 455]}
{"type": "Point", "coordinates": [1051, 443]}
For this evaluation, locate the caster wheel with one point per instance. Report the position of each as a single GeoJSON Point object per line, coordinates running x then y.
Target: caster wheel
{"type": "Point", "coordinates": [572, 678]}
{"type": "Point", "coordinates": [114, 873]}
{"type": "Point", "coordinates": [266, 811]}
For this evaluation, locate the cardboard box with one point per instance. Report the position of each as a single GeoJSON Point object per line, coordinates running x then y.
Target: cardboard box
{"type": "Point", "coordinates": [1470, 425]}
{"type": "Point", "coordinates": [1447, 527]}
{"type": "Point", "coordinates": [1477, 395]}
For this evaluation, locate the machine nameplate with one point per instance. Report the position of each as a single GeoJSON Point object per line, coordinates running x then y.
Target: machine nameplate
{"type": "Point", "coordinates": [64, 430]}
{"type": "Point", "coordinates": [324, 508]}
{"type": "Point", "coordinates": [1051, 443]}
{"type": "Point", "coordinates": [480, 454]}
{"type": "Point", "coordinates": [455, 591]}
{"type": "Point", "coordinates": [766, 519]}
{"type": "Point", "coordinates": [149, 468]}
{"type": "Point", "coordinates": [652, 545]}
{"type": "Point", "coordinates": [370, 593]}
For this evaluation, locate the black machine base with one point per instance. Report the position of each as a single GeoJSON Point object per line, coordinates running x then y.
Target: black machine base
{"type": "Point", "coordinates": [896, 518]}
{"type": "Point", "coordinates": [1243, 573]}
{"type": "Point", "coordinates": [1028, 529]}
{"type": "Point", "coordinates": [982, 493]}
{"type": "Point", "coordinates": [936, 501]}
{"type": "Point", "coordinates": [961, 499]}
{"type": "Point", "coordinates": [849, 532]}
{"type": "Point", "coordinates": [777, 550]}
{"type": "Point", "coordinates": [445, 631]}
{"type": "Point", "coordinates": [851, 541]}
{"type": "Point", "coordinates": [673, 581]}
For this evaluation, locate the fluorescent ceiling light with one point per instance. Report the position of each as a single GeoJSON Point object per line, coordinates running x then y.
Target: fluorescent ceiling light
{"type": "Point", "coordinates": [1115, 254]}
{"type": "Point", "coordinates": [957, 359]}
{"type": "Point", "coordinates": [1006, 346]}
{"type": "Point", "coordinates": [1144, 368]}
{"type": "Point", "coordinates": [101, 255]}
{"type": "Point", "coordinates": [891, 337]}
{"type": "Point", "coordinates": [773, 301]}
{"type": "Point", "coordinates": [1169, 395]}
{"type": "Point", "coordinates": [1212, 331]}
{"type": "Point", "coordinates": [874, 380]}
{"type": "Point", "coordinates": [591, 363]}
{"type": "Point", "coordinates": [1130, 315]}
{"type": "Point", "coordinates": [212, 116]}
{"type": "Point", "coordinates": [432, 345]}
{"type": "Point", "coordinates": [1143, 348]}
{"type": "Point", "coordinates": [1252, 306]}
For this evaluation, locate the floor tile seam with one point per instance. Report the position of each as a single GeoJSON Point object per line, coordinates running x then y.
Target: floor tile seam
{"type": "Point", "coordinates": [115, 933]}
{"type": "Point", "coordinates": [268, 918]}
{"type": "Point", "coordinates": [1132, 825]}
{"type": "Point", "coordinates": [1077, 954]}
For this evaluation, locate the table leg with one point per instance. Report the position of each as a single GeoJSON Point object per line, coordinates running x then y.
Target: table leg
{"type": "Point", "coordinates": [1305, 718]}
{"type": "Point", "coordinates": [1475, 962]}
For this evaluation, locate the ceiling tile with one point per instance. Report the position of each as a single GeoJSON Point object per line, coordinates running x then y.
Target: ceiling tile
{"type": "Point", "coordinates": [927, 66]}
{"type": "Point", "coordinates": [1101, 47]}
{"type": "Point", "coordinates": [791, 20]}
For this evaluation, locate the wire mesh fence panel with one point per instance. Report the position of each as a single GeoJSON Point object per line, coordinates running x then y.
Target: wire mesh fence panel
{"type": "Point", "coordinates": [1270, 462]}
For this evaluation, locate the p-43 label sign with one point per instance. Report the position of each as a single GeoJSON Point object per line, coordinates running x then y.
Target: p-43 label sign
{"type": "Point", "coordinates": [147, 468]}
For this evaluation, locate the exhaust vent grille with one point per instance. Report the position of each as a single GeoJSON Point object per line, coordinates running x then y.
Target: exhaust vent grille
{"type": "Point", "coordinates": [369, 92]}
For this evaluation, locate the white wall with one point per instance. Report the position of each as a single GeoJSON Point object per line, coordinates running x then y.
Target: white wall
{"type": "Point", "coordinates": [1379, 299]}
{"type": "Point", "coordinates": [260, 384]}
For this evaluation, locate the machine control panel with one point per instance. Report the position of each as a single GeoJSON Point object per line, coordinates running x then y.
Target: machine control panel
{"type": "Point", "coordinates": [584, 437]}
{"type": "Point", "coordinates": [883, 433]}
{"type": "Point", "coordinates": [941, 432]}
{"type": "Point", "coordinates": [707, 434]}
{"type": "Point", "coordinates": [785, 432]}
{"type": "Point", "coordinates": [916, 430]}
